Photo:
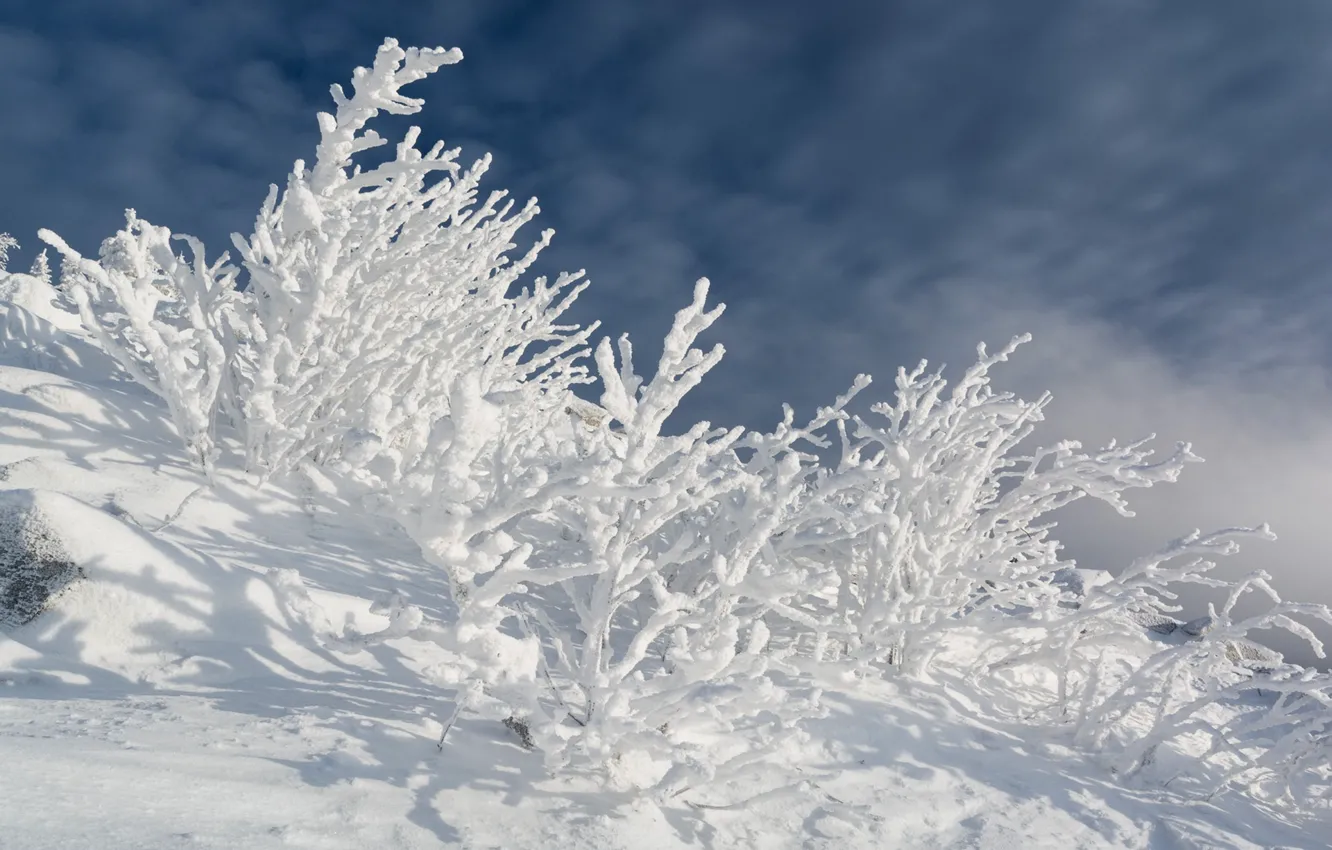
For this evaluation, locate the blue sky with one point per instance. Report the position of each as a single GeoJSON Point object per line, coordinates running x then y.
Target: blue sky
{"type": "Point", "coordinates": [1146, 186]}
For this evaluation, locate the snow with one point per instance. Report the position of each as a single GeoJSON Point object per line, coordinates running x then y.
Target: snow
{"type": "Point", "coordinates": [321, 550]}
{"type": "Point", "coordinates": [180, 697]}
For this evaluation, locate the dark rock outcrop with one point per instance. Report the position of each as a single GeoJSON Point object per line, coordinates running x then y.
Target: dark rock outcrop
{"type": "Point", "coordinates": [34, 566]}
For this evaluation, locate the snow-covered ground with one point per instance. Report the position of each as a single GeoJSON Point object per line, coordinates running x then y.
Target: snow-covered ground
{"type": "Point", "coordinates": [177, 698]}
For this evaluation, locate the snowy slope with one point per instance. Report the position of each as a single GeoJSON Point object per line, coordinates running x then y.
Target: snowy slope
{"type": "Point", "coordinates": [177, 697]}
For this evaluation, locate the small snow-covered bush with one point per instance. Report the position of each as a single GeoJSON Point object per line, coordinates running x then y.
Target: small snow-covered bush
{"type": "Point", "coordinates": [927, 519]}
{"type": "Point", "coordinates": [663, 651]}
{"type": "Point", "coordinates": [161, 317]}
{"type": "Point", "coordinates": [1130, 681]}
{"type": "Point", "coordinates": [1205, 686]}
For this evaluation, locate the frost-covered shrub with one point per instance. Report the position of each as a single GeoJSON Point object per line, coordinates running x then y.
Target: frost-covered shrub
{"type": "Point", "coordinates": [1279, 736]}
{"type": "Point", "coordinates": [1233, 710]}
{"type": "Point", "coordinates": [365, 296]}
{"type": "Point", "coordinates": [164, 320]}
{"type": "Point", "coordinates": [928, 519]}
{"type": "Point", "coordinates": [661, 651]}
{"type": "Point", "coordinates": [375, 293]}
{"type": "Point", "coordinates": [654, 605]}
{"type": "Point", "coordinates": [638, 558]}
{"type": "Point", "coordinates": [1197, 686]}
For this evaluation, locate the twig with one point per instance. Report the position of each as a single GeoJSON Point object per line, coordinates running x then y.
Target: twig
{"type": "Point", "coordinates": [545, 668]}
{"type": "Point", "coordinates": [453, 718]}
{"type": "Point", "coordinates": [180, 509]}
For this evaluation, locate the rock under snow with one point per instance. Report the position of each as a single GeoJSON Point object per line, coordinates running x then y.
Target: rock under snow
{"type": "Point", "coordinates": [1242, 653]}
{"type": "Point", "coordinates": [30, 341]}
{"type": "Point", "coordinates": [35, 567]}
{"type": "Point", "coordinates": [88, 590]}
{"type": "Point", "coordinates": [1198, 626]}
{"type": "Point", "coordinates": [1254, 656]}
{"type": "Point", "coordinates": [1154, 622]}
